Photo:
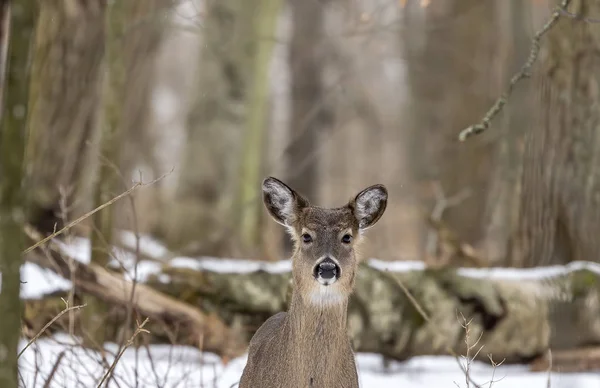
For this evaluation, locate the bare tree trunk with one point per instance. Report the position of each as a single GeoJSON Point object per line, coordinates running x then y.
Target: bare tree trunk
{"type": "Point", "coordinates": [200, 222]}
{"type": "Point", "coordinates": [65, 94]}
{"type": "Point", "coordinates": [248, 206]}
{"type": "Point", "coordinates": [502, 204]}
{"type": "Point", "coordinates": [449, 73]}
{"type": "Point", "coordinates": [310, 116]}
{"type": "Point", "coordinates": [560, 199]}
{"type": "Point", "coordinates": [110, 151]}
{"type": "Point", "coordinates": [144, 33]}
{"type": "Point", "coordinates": [217, 211]}
{"type": "Point", "coordinates": [12, 202]}
{"type": "Point", "coordinates": [4, 37]}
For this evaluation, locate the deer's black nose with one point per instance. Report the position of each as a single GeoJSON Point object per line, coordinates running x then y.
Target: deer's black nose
{"type": "Point", "coordinates": [326, 269]}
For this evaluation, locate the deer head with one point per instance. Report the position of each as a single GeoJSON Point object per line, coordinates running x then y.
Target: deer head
{"type": "Point", "coordinates": [324, 261]}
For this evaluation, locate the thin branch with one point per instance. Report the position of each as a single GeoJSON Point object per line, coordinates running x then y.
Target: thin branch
{"type": "Point", "coordinates": [525, 72]}
{"type": "Point", "coordinates": [548, 382]}
{"type": "Point", "coordinates": [61, 355]}
{"type": "Point", "coordinates": [139, 330]}
{"type": "Point", "coordinates": [578, 17]}
{"type": "Point", "coordinates": [92, 212]}
{"type": "Point", "coordinates": [66, 310]}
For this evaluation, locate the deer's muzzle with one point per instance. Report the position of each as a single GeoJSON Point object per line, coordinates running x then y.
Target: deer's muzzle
{"type": "Point", "coordinates": [326, 272]}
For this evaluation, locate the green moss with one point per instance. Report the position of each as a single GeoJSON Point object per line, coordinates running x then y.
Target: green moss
{"type": "Point", "coordinates": [582, 281]}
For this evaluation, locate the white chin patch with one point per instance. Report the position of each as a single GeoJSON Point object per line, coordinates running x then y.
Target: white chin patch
{"type": "Point", "coordinates": [323, 295]}
{"type": "Point", "coordinates": [327, 282]}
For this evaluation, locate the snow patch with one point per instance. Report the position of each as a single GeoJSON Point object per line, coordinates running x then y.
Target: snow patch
{"type": "Point", "coordinates": [231, 265]}
{"type": "Point", "coordinates": [148, 245]}
{"type": "Point", "coordinates": [182, 366]}
{"type": "Point", "coordinates": [38, 282]}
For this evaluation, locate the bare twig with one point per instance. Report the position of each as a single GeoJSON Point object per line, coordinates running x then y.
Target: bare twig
{"type": "Point", "coordinates": [466, 324]}
{"type": "Point", "coordinates": [139, 330]}
{"type": "Point", "coordinates": [66, 310]}
{"type": "Point", "coordinates": [92, 212]}
{"type": "Point", "coordinates": [575, 16]}
{"type": "Point", "coordinates": [548, 382]}
{"type": "Point", "coordinates": [494, 366]}
{"type": "Point", "coordinates": [441, 205]}
{"type": "Point", "coordinates": [61, 355]}
{"type": "Point", "coordinates": [525, 72]}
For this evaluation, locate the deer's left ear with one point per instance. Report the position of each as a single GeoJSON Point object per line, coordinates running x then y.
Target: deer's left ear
{"type": "Point", "coordinates": [369, 205]}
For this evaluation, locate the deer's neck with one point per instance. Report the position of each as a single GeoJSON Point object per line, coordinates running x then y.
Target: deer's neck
{"type": "Point", "coordinates": [317, 348]}
{"type": "Point", "coordinates": [318, 328]}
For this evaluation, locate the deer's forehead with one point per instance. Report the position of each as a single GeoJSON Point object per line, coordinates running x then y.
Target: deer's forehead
{"type": "Point", "coordinates": [319, 219]}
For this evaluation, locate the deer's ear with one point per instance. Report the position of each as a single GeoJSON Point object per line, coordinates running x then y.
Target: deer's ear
{"type": "Point", "coordinates": [369, 205]}
{"type": "Point", "coordinates": [282, 203]}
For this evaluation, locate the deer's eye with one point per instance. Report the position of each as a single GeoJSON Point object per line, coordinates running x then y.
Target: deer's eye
{"type": "Point", "coordinates": [346, 239]}
{"type": "Point", "coordinates": [306, 238]}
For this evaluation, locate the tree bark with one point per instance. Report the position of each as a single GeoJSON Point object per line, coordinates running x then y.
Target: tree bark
{"type": "Point", "coordinates": [248, 207]}
{"type": "Point", "coordinates": [4, 36]}
{"type": "Point", "coordinates": [310, 115]}
{"type": "Point", "coordinates": [65, 94]}
{"type": "Point", "coordinates": [109, 157]}
{"type": "Point", "coordinates": [449, 73]}
{"type": "Point", "coordinates": [12, 194]}
{"type": "Point", "coordinates": [560, 200]}
{"type": "Point", "coordinates": [502, 202]}
{"type": "Point", "coordinates": [203, 219]}
{"type": "Point", "coordinates": [144, 33]}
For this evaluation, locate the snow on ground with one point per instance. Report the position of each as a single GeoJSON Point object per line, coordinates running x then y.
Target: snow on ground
{"type": "Point", "coordinates": [179, 366]}
{"type": "Point", "coordinates": [182, 367]}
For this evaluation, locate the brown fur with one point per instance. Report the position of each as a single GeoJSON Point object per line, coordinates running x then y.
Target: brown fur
{"type": "Point", "coordinates": [308, 346]}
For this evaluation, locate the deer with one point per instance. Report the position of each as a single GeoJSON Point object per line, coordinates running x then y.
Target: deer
{"type": "Point", "coordinates": [309, 346]}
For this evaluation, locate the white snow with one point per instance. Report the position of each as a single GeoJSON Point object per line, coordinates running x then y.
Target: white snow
{"type": "Point", "coordinates": [148, 246]}
{"type": "Point", "coordinates": [181, 366]}
{"type": "Point", "coordinates": [38, 282]}
{"type": "Point", "coordinates": [231, 265]}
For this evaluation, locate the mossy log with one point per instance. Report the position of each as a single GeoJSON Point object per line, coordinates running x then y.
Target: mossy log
{"type": "Point", "coordinates": [517, 318]}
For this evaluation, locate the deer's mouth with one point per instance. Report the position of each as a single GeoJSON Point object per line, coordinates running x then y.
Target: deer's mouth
{"type": "Point", "coordinates": [327, 271]}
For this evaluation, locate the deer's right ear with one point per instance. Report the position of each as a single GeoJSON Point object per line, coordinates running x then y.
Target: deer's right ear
{"type": "Point", "coordinates": [281, 201]}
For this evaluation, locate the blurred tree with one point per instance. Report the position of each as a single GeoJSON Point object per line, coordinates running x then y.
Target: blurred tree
{"type": "Point", "coordinates": [143, 35]}
{"type": "Point", "coordinates": [65, 95]}
{"type": "Point", "coordinates": [4, 36]}
{"type": "Point", "coordinates": [216, 202]}
{"type": "Point", "coordinates": [205, 192]}
{"type": "Point", "coordinates": [109, 158]}
{"type": "Point", "coordinates": [452, 73]}
{"type": "Point", "coordinates": [310, 115]}
{"type": "Point", "coordinates": [559, 215]}
{"type": "Point", "coordinates": [247, 206]}
{"type": "Point", "coordinates": [12, 202]}
{"type": "Point", "coordinates": [502, 202]}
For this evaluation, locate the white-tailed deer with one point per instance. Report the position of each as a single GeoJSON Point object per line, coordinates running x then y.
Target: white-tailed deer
{"type": "Point", "coordinates": [308, 346]}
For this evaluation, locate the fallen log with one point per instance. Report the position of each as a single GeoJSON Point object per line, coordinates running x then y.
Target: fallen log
{"type": "Point", "coordinates": [205, 330]}
{"type": "Point", "coordinates": [519, 314]}
{"type": "Point", "coordinates": [518, 319]}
